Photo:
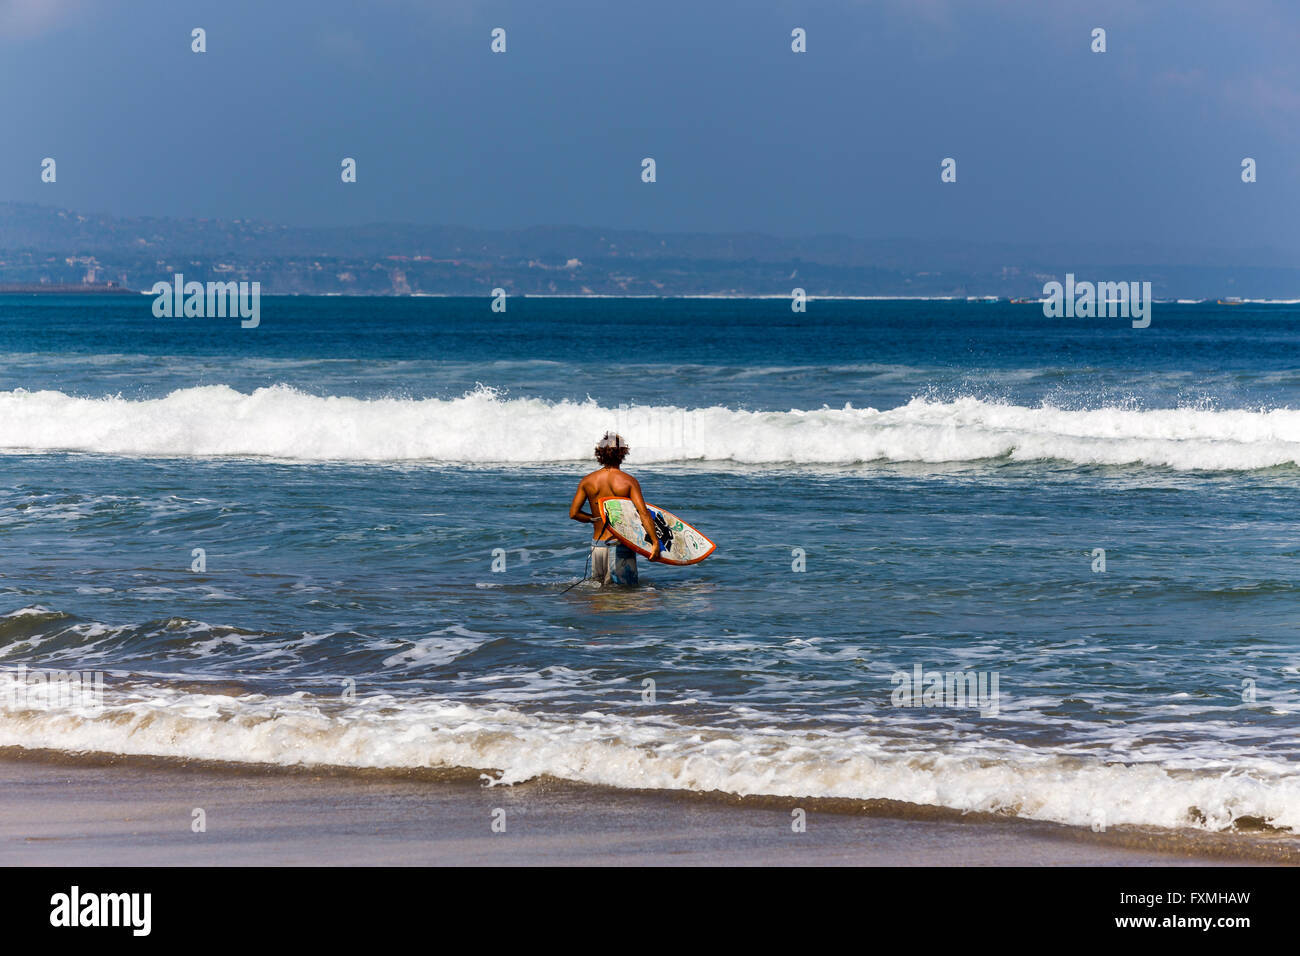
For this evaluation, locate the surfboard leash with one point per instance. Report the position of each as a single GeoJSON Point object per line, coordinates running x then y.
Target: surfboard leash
{"type": "Point", "coordinates": [584, 574]}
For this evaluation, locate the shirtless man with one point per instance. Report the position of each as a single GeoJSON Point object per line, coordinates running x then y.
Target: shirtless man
{"type": "Point", "coordinates": [612, 562]}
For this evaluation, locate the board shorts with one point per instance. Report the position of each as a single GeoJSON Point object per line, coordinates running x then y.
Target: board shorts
{"type": "Point", "coordinates": [613, 562]}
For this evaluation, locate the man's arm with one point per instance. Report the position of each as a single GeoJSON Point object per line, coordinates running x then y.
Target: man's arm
{"type": "Point", "coordinates": [645, 517]}
{"type": "Point", "coordinates": [575, 509]}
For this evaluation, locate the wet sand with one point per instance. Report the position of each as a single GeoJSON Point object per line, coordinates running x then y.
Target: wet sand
{"type": "Point", "coordinates": [106, 811]}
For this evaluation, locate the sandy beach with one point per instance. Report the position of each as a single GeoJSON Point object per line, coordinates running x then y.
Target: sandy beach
{"type": "Point", "coordinates": [112, 812]}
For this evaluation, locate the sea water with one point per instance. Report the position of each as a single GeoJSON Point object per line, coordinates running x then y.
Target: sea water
{"type": "Point", "coordinates": [342, 539]}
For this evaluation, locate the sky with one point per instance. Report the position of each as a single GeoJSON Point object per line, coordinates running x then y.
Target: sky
{"type": "Point", "coordinates": [1051, 140]}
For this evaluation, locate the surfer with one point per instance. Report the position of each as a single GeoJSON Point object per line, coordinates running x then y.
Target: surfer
{"type": "Point", "coordinates": [612, 562]}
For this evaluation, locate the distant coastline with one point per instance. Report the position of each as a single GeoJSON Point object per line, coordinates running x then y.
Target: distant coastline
{"type": "Point", "coordinates": [44, 249]}
{"type": "Point", "coordinates": [54, 289]}
{"type": "Point", "coordinates": [63, 288]}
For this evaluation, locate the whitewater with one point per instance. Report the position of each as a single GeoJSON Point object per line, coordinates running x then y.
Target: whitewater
{"type": "Point", "coordinates": [484, 426]}
{"type": "Point", "coordinates": [510, 747]}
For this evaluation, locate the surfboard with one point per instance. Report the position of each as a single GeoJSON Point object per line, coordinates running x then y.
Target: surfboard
{"type": "Point", "coordinates": [682, 544]}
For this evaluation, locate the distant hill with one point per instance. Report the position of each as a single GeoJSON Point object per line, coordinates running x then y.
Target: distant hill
{"type": "Point", "coordinates": [41, 245]}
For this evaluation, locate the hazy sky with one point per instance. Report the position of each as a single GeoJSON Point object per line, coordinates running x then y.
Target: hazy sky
{"type": "Point", "coordinates": [1051, 140]}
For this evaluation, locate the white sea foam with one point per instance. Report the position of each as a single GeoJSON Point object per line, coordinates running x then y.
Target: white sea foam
{"type": "Point", "coordinates": [656, 753]}
{"type": "Point", "coordinates": [283, 423]}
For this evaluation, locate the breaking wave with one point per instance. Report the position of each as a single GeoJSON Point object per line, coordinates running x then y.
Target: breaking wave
{"type": "Point", "coordinates": [384, 732]}
{"type": "Point", "coordinates": [482, 426]}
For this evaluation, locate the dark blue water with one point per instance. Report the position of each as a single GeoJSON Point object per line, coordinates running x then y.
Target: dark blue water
{"type": "Point", "coordinates": [379, 490]}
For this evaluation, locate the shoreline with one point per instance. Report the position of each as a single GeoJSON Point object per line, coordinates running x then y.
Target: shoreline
{"type": "Point", "coordinates": [92, 810]}
{"type": "Point", "coordinates": [74, 289]}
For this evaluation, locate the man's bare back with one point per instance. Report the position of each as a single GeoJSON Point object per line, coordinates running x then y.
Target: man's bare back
{"type": "Point", "coordinates": [606, 483]}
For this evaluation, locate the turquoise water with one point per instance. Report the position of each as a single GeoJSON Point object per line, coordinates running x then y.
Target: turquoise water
{"type": "Point", "coordinates": [379, 490]}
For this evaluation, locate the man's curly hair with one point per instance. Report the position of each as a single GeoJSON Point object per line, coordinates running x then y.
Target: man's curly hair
{"type": "Point", "coordinates": [611, 456]}
{"type": "Point", "coordinates": [611, 450]}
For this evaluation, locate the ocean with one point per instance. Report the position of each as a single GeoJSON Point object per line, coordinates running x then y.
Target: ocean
{"type": "Point", "coordinates": [968, 557]}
